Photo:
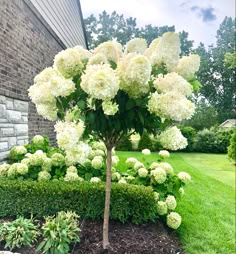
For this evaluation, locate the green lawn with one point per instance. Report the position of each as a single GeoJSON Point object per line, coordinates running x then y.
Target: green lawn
{"type": "Point", "coordinates": [208, 207]}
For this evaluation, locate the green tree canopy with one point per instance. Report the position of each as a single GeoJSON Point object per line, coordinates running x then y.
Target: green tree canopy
{"type": "Point", "coordinates": [116, 27]}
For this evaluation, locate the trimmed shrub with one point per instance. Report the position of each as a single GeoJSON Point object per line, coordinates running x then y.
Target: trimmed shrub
{"type": "Point", "coordinates": [128, 202]}
{"type": "Point", "coordinates": [124, 144]}
{"type": "Point", "coordinates": [189, 133]}
{"type": "Point", "coordinates": [212, 141]}
{"type": "Point", "coordinates": [232, 147]}
{"type": "Point", "coordinates": [145, 142]}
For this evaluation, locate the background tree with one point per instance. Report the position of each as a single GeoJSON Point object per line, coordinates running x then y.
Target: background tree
{"type": "Point", "coordinates": [116, 27]}
{"type": "Point", "coordinates": [218, 81]}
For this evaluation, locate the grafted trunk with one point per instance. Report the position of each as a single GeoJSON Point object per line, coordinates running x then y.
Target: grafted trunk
{"type": "Point", "coordinates": [107, 199]}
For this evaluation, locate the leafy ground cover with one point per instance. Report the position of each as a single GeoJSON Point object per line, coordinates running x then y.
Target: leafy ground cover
{"type": "Point", "coordinates": [208, 207]}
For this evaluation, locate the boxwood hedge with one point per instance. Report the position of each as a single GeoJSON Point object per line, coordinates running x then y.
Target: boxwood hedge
{"type": "Point", "coordinates": [128, 202]}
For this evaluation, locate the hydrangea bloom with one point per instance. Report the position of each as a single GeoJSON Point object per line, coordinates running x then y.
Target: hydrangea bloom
{"type": "Point", "coordinates": [116, 176]}
{"type": "Point", "coordinates": [171, 105]}
{"type": "Point", "coordinates": [184, 177]}
{"type": "Point", "coordinates": [47, 111]}
{"type": "Point", "coordinates": [95, 180]}
{"type": "Point", "coordinates": [58, 159]}
{"type": "Point", "coordinates": [12, 171]}
{"type": "Point", "coordinates": [122, 181]}
{"type": "Point", "coordinates": [134, 71]}
{"type": "Point", "coordinates": [19, 150]}
{"type": "Point", "coordinates": [3, 169]}
{"type": "Point", "coordinates": [166, 51]}
{"type": "Point", "coordinates": [130, 178]}
{"type": "Point", "coordinates": [99, 145]}
{"type": "Point", "coordinates": [138, 165]}
{"type": "Point", "coordinates": [71, 169]}
{"type": "Point", "coordinates": [22, 169]}
{"type": "Point", "coordinates": [131, 161]}
{"type": "Point", "coordinates": [68, 134]}
{"type": "Point", "coordinates": [173, 220]}
{"type": "Point", "coordinates": [146, 151]}
{"type": "Point", "coordinates": [164, 154]}
{"type": "Point", "coordinates": [172, 82]}
{"type": "Point", "coordinates": [98, 58]}
{"type": "Point", "coordinates": [111, 50]}
{"type": "Point", "coordinates": [171, 202]}
{"type": "Point", "coordinates": [68, 62]}
{"type": "Point", "coordinates": [37, 158]}
{"type": "Point", "coordinates": [45, 75]}
{"type": "Point", "coordinates": [47, 164]}
{"type": "Point", "coordinates": [44, 176]}
{"type": "Point", "coordinates": [188, 66]}
{"type": "Point", "coordinates": [158, 175]}
{"type": "Point", "coordinates": [38, 139]}
{"type": "Point", "coordinates": [142, 172]}
{"type": "Point", "coordinates": [109, 108]}
{"type": "Point", "coordinates": [162, 208]}
{"type": "Point", "coordinates": [98, 152]}
{"type": "Point", "coordinates": [97, 162]}
{"type": "Point", "coordinates": [59, 86]}
{"type": "Point", "coordinates": [172, 139]}
{"type": "Point", "coordinates": [100, 82]}
{"type": "Point", "coordinates": [115, 160]}
{"type": "Point", "coordinates": [156, 195]}
{"type": "Point", "coordinates": [154, 165]}
{"type": "Point", "coordinates": [72, 177]}
{"type": "Point", "coordinates": [167, 167]}
{"type": "Point", "coordinates": [78, 154]}
{"type": "Point", "coordinates": [136, 45]}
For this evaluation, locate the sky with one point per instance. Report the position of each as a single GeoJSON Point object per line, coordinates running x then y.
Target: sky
{"type": "Point", "coordinates": [200, 18]}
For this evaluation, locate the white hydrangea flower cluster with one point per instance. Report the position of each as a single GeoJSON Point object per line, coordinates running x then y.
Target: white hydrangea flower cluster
{"type": "Point", "coordinates": [111, 50]}
{"type": "Point", "coordinates": [116, 176]}
{"type": "Point", "coordinates": [16, 169]}
{"type": "Point", "coordinates": [162, 208]}
{"type": "Point", "coordinates": [188, 66]}
{"type": "Point", "coordinates": [115, 160]}
{"type": "Point", "coordinates": [122, 181]}
{"type": "Point", "coordinates": [72, 175]}
{"type": "Point", "coordinates": [99, 145]}
{"type": "Point", "coordinates": [165, 50]}
{"type": "Point", "coordinates": [146, 151]}
{"type": "Point", "coordinates": [18, 150]}
{"type": "Point", "coordinates": [38, 140]}
{"type": "Point", "coordinates": [171, 202]}
{"type": "Point", "coordinates": [158, 175]}
{"type": "Point", "coordinates": [58, 159]}
{"type": "Point", "coordinates": [174, 220]}
{"type": "Point", "coordinates": [138, 165]}
{"type": "Point", "coordinates": [95, 180]}
{"type": "Point", "coordinates": [98, 58]}
{"type": "Point", "coordinates": [49, 85]}
{"type": "Point", "coordinates": [134, 71]}
{"type": "Point", "coordinates": [171, 105]}
{"type": "Point", "coordinates": [110, 108]}
{"type": "Point", "coordinates": [69, 62]}
{"type": "Point", "coordinates": [100, 82]}
{"type": "Point", "coordinates": [68, 134]}
{"type": "Point", "coordinates": [164, 154]}
{"type": "Point", "coordinates": [97, 162]}
{"type": "Point", "coordinates": [184, 177]}
{"type": "Point", "coordinates": [142, 172]}
{"type": "Point", "coordinates": [4, 169]}
{"type": "Point", "coordinates": [172, 82]}
{"type": "Point", "coordinates": [136, 45]}
{"type": "Point", "coordinates": [172, 139]}
{"type": "Point", "coordinates": [44, 176]}
{"type": "Point", "coordinates": [131, 161]}
{"type": "Point", "coordinates": [167, 167]}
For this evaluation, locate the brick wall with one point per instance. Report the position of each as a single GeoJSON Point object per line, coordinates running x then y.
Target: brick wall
{"type": "Point", "coordinates": [27, 46]}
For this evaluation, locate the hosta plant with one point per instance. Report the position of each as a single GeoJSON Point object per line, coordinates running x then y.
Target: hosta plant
{"type": "Point", "coordinates": [18, 233]}
{"type": "Point", "coordinates": [110, 92]}
{"type": "Point", "coordinates": [59, 232]}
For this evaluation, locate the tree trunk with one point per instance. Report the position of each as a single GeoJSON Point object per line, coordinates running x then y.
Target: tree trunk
{"type": "Point", "coordinates": [107, 199]}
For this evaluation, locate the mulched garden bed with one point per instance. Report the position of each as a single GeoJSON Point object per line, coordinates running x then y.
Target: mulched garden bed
{"type": "Point", "coordinates": [150, 238]}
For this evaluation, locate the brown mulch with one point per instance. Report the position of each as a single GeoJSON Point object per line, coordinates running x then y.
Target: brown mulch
{"type": "Point", "coordinates": [149, 238]}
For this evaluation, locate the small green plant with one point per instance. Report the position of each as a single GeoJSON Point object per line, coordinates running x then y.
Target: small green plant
{"type": "Point", "coordinates": [18, 233]}
{"type": "Point", "coordinates": [59, 232]}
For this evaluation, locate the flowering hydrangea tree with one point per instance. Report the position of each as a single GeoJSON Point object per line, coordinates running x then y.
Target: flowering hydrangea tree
{"type": "Point", "coordinates": [110, 92]}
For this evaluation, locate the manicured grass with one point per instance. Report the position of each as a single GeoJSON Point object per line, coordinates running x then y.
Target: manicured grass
{"type": "Point", "coordinates": [208, 206]}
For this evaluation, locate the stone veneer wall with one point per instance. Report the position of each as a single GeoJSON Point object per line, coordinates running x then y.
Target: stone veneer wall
{"type": "Point", "coordinates": [13, 124]}
{"type": "Point", "coordinates": [27, 46]}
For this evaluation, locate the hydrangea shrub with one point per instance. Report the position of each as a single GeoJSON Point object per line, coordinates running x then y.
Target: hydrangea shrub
{"type": "Point", "coordinates": [110, 92]}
